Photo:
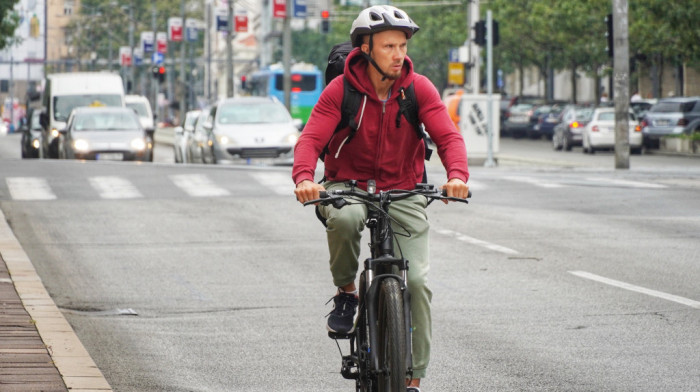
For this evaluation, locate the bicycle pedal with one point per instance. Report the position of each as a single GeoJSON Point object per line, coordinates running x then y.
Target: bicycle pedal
{"type": "Point", "coordinates": [337, 335]}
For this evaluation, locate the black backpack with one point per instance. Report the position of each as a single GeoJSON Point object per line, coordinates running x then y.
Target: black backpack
{"type": "Point", "coordinates": [353, 98]}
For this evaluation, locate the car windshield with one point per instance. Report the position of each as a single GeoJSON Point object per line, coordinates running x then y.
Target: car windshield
{"type": "Point", "coordinates": [584, 114]}
{"type": "Point", "coordinates": [139, 108]}
{"type": "Point", "coordinates": [672, 107]}
{"type": "Point", "coordinates": [191, 118]}
{"type": "Point", "coordinates": [241, 113]}
{"type": "Point", "coordinates": [104, 121]}
{"type": "Point", "coordinates": [610, 116]}
{"type": "Point", "coordinates": [521, 108]}
{"type": "Point", "coordinates": [63, 105]}
{"type": "Point", "coordinates": [36, 124]}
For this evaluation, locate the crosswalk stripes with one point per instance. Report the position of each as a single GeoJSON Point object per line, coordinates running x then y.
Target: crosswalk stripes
{"type": "Point", "coordinates": [29, 188]}
{"type": "Point", "coordinates": [114, 188]}
{"type": "Point", "coordinates": [280, 183]}
{"type": "Point", "coordinates": [198, 185]}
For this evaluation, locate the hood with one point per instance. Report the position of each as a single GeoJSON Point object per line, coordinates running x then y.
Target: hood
{"type": "Point", "coordinates": [356, 65]}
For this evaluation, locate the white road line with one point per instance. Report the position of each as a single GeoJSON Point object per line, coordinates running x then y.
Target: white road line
{"type": "Point", "coordinates": [478, 242]}
{"type": "Point", "coordinates": [29, 188]}
{"type": "Point", "coordinates": [631, 287]}
{"type": "Point", "coordinates": [110, 187]}
{"type": "Point", "coordinates": [534, 181]}
{"type": "Point", "coordinates": [280, 183]}
{"type": "Point", "coordinates": [198, 185]}
{"type": "Point", "coordinates": [627, 183]}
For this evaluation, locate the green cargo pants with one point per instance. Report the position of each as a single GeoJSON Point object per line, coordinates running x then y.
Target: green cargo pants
{"type": "Point", "coordinates": [344, 231]}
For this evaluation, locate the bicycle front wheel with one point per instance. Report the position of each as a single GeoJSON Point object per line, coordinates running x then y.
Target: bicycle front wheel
{"type": "Point", "coordinates": [391, 330]}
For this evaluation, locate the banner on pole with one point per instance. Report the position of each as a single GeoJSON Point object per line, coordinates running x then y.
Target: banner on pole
{"type": "Point", "coordinates": [279, 9]}
{"type": "Point", "coordinates": [175, 29]}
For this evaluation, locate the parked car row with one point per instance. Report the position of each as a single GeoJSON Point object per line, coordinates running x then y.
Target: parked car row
{"type": "Point", "coordinates": [240, 129]}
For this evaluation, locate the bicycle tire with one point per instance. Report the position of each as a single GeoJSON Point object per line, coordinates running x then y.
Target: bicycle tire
{"type": "Point", "coordinates": [364, 382]}
{"type": "Point", "coordinates": [392, 338]}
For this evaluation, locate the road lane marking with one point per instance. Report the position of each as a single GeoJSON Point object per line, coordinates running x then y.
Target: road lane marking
{"type": "Point", "coordinates": [638, 289]}
{"type": "Point", "coordinates": [29, 188]}
{"type": "Point", "coordinates": [198, 185]}
{"type": "Point", "coordinates": [534, 181]}
{"type": "Point", "coordinates": [477, 242]}
{"type": "Point", "coordinates": [110, 187]}
{"type": "Point", "coordinates": [279, 183]}
{"type": "Point", "coordinates": [627, 183]}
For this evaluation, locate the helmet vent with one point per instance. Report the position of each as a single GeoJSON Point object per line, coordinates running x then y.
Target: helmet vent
{"type": "Point", "coordinates": [374, 16]}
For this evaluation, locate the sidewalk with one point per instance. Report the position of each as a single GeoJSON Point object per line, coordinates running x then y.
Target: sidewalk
{"type": "Point", "coordinates": [39, 350]}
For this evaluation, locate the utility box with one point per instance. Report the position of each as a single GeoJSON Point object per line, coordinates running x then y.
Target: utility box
{"type": "Point", "coordinates": [473, 123]}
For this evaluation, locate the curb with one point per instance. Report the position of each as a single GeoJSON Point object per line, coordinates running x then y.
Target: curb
{"type": "Point", "coordinates": [76, 367]}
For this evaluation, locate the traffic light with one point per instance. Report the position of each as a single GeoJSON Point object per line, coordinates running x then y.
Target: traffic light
{"type": "Point", "coordinates": [243, 79]}
{"type": "Point", "coordinates": [325, 22]}
{"type": "Point", "coordinates": [480, 33]}
{"type": "Point", "coordinates": [161, 74]}
{"type": "Point", "coordinates": [495, 35]}
{"type": "Point", "coordinates": [609, 35]}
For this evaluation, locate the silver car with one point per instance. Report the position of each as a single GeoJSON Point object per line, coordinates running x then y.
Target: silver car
{"type": "Point", "coordinates": [252, 129]}
{"type": "Point", "coordinates": [670, 116]}
{"type": "Point", "coordinates": [104, 133]}
{"type": "Point", "coordinates": [182, 134]}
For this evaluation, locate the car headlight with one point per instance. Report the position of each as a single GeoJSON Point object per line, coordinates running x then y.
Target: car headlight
{"type": "Point", "coordinates": [81, 145]}
{"type": "Point", "coordinates": [138, 144]}
{"type": "Point", "coordinates": [54, 133]}
{"type": "Point", "coordinates": [223, 140]}
{"type": "Point", "coordinates": [36, 143]}
{"type": "Point", "coordinates": [292, 138]}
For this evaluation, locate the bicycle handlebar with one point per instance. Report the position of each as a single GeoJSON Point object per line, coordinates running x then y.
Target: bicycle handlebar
{"type": "Point", "coordinates": [427, 190]}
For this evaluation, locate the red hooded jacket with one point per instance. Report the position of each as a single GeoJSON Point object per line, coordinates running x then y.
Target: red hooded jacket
{"type": "Point", "coordinates": [393, 157]}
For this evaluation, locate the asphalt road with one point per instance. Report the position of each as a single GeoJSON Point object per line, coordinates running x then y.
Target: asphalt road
{"type": "Point", "coordinates": [562, 274]}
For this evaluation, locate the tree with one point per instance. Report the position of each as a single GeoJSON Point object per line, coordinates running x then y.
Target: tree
{"type": "Point", "coordinates": [9, 20]}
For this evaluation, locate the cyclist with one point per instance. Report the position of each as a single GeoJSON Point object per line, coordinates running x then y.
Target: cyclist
{"type": "Point", "coordinates": [384, 150]}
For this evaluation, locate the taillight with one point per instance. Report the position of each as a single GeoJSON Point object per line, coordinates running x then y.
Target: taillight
{"type": "Point", "coordinates": [595, 128]}
{"type": "Point", "coordinates": [637, 128]}
{"type": "Point", "coordinates": [682, 122]}
{"type": "Point", "coordinates": [644, 123]}
{"type": "Point", "coordinates": [575, 124]}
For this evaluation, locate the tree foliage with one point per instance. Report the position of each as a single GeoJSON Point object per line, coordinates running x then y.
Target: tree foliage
{"type": "Point", "coordinates": [9, 21]}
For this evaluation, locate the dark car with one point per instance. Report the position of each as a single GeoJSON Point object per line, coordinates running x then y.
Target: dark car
{"type": "Point", "coordinates": [104, 133]}
{"type": "Point", "coordinates": [670, 116]}
{"type": "Point", "coordinates": [31, 135]}
{"type": "Point", "coordinates": [546, 121]}
{"type": "Point", "coordinates": [517, 123]}
{"type": "Point", "coordinates": [569, 132]}
{"type": "Point", "coordinates": [539, 115]}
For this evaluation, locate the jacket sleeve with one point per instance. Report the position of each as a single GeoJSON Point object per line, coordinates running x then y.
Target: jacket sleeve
{"type": "Point", "coordinates": [449, 141]}
{"type": "Point", "coordinates": [323, 120]}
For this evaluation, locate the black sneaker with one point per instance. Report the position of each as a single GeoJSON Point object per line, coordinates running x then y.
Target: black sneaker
{"type": "Point", "coordinates": [413, 389]}
{"type": "Point", "coordinates": [341, 318]}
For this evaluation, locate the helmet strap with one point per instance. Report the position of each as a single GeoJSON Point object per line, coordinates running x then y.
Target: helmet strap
{"type": "Point", "coordinates": [371, 60]}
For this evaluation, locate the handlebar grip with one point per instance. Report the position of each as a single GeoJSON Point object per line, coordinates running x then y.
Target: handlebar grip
{"type": "Point", "coordinates": [444, 193]}
{"type": "Point", "coordinates": [323, 195]}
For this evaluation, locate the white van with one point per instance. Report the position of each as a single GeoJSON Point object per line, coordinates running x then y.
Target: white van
{"type": "Point", "coordinates": [63, 92]}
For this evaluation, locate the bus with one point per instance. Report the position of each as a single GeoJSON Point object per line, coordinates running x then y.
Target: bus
{"type": "Point", "coordinates": [307, 84]}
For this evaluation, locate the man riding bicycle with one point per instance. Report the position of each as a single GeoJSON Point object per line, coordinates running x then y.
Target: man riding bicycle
{"type": "Point", "coordinates": [385, 149]}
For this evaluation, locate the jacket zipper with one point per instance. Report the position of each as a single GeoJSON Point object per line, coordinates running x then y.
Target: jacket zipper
{"type": "Point", "coordinates": [380, 138]}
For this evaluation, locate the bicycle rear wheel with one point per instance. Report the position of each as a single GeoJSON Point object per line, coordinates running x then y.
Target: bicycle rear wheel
{"type": "Point", "coordinates": [392, 338]}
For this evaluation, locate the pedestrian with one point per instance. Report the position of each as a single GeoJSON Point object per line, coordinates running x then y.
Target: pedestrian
{"type": "Point", "coordinates": [385, 148]}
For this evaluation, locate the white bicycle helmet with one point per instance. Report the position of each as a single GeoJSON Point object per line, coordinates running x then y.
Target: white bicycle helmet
{"type": "Point", "coordinates": [379, 18]}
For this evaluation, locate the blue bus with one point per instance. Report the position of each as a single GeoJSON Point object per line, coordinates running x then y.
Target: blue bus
{"type": "Point", "coordinates": [307, 84]}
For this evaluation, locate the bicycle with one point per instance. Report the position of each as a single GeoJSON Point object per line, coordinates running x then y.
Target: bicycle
{"type": "Point", "coordinates": [380, 357]}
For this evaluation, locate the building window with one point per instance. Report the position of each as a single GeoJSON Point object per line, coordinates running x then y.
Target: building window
{"type": "Point", "coordinates": [68, 7]}
{"type": "Point", "coordinates": [4, 86]}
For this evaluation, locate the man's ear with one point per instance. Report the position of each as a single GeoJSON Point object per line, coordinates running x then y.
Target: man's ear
{"type": "Point", "coordinates": [365, 48]}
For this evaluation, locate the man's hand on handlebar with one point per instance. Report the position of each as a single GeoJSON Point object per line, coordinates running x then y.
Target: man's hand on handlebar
{"type": "Point", "coordinates": [308, 190]}
{"type": "Point", "coordinates": [456, 188]}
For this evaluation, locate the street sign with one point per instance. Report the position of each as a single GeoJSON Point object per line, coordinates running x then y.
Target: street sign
{"type": "Point", "coordinates": [157, 58]}
{"type": "Point", "coordinates": [453, 55]}
{"type": "Point", "coordinates": [300, 8]}
{"type": "Point", "coordinates": [279, 9]}
{"type": "Point", "coordinates": [455, 73]}
{"type": "Point", "coordinates": [125, 56]}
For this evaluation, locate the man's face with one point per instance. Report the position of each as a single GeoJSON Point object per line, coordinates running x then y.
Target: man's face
{"type": "Point", "coordinates": [388, 50]}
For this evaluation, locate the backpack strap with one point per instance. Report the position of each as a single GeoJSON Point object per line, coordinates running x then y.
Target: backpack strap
{"type": "Point", "coordinates": [408, 107]}
{"type": "Point", "coordinates": [348, 110]}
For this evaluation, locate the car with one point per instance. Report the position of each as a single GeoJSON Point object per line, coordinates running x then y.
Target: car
{"type": "Point", "coordinates": [568, 133]}
{"type": "Point", "coordinates": [642, 106]}
{"type": "Point", "coordinates": [517, 123]}
{"type": "Point", "coordinates": [670, 116]}
{"type": "Point", "coordinates": [182, 134]}
{"type": "Point", "coordinates": [547, 121]}
{"type": "Point", "coordinates": [252, 128]}
{"type": "Point", "coordinates": [599, 133]}
{"type": "Point", "coordinates": [200, 143]}
{"type": "Point", "coordinates": [103, 133]}
{"type": "Point", "coordinates": [30, 143]}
